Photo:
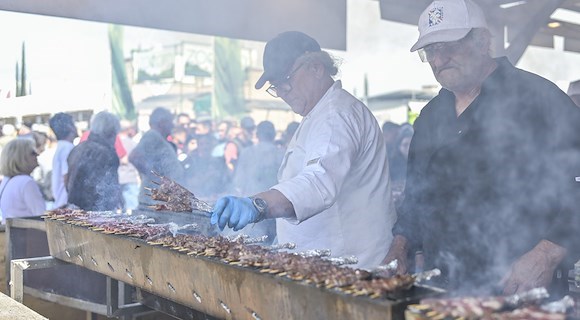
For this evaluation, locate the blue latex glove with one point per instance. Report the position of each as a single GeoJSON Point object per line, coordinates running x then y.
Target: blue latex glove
{"type": "Point", "coordinates": [235, 212]}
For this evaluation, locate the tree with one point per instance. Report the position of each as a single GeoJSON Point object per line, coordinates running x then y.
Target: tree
{"type": "Point", "coordinates": [123, 104]}
{"type": "Point", "coordinates": [21, 80]}
{"type": "Point", "coordinates": [228, 79]}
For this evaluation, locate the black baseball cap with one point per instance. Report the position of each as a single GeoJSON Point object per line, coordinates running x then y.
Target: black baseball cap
{"type": "Point", "coordinates": [281, 53]}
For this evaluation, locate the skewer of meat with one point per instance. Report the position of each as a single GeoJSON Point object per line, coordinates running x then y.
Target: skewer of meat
{"type": "Point", "coordinates": [175, 197]}
{"type": "Point", "coordinates": [528, 307]}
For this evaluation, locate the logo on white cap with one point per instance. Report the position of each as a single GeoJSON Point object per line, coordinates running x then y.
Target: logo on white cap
{"type": "Point", "coordinates": [435, 16]}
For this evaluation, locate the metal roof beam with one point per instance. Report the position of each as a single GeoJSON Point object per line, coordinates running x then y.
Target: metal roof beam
{"type": "Point", "coordinates": [523, 34]}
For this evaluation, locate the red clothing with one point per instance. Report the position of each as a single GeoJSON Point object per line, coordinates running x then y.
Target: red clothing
{"type": "Point", "coordinates": [121, 152]}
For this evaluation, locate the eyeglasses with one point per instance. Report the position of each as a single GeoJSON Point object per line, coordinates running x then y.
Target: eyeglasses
{"type": "Point", "coordinates": [428, 53]}
{"type": "Point", "coordinates": [276, 89]}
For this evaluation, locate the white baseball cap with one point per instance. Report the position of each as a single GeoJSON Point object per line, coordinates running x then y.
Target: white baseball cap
{"type": "Point", "coordinates": [448, 20]}
{"type": "Point", "coordinates": [574, 88]}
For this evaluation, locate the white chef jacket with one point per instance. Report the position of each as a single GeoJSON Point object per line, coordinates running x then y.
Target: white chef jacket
{"type": "Point", "coordinates": [59, 170]}
{"type": "Point", "coordinates": [335, 174]}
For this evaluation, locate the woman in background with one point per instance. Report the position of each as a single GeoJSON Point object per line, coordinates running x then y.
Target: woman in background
{"type": "Point", "coordinates": [19, 193]}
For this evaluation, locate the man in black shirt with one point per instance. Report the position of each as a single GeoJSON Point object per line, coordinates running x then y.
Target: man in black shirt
{"type": "Point", "coordinates": [491, 195]}
{"type": "Point", "coordinates": [155, 153]}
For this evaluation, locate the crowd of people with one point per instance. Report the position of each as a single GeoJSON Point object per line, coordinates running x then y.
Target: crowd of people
{"type": "Point", "coordinates": [103, 168]}
{"type": "Point", "coordinates": [484, 185]}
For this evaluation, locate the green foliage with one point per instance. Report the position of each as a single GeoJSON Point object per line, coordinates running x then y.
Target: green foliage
{"type": "Point", "coordinates": [21, 80]}
{"type": "Point", "coordinates": [229, 79]}
{"type": "Point", "coordinates": [123, 104]}
{"type": "Point", "coordinates": [411, 116]}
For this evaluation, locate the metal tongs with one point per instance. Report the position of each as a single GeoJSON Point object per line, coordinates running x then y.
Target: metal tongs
{"type": "Point", "coordinates": [175, 197]}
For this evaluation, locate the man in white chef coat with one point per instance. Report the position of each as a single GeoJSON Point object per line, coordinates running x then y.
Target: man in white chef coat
{"type": "Point", "coordinates": [333, 191]}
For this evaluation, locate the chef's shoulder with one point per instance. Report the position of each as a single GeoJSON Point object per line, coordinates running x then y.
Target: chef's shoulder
{"type": "Point", "coordinates": [346, 108]}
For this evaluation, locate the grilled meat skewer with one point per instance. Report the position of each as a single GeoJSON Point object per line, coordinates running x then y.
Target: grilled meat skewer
{"type": "Point", "coordinates": [175, 197]}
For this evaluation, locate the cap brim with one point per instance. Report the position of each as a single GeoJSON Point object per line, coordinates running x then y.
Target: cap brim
{"type": "Point", "coordinates": [260, 83]}
{"type": "Point", "coordinates": [440, 36]}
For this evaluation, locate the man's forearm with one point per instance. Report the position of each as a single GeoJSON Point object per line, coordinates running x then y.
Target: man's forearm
{"type": "Point", "coordinates": [278, 205]}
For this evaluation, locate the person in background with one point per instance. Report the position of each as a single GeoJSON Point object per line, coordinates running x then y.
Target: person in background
{"type": "Point", "coordinates": [400, 154]}
{"type": "Point", "coordinates": [390, 133]}
{"type": "Point", "coordinates": [203, 127]}
{"type": "Point", "coordinates": [223, 129]}
{"type": "Point", "coordinates": [206, 176]}
{"type": "Point", "coordinates": [574, 92]}
{"type": "Point", "coordinates": [248, 128]}
{"type": "Point", "coordinates": [64, 129]}
{"type": "Point", "coordinates": [232, 147]}
{"type": "Point", "coordinates": [258, 167]}
{"type": "Point", "coordinates": [183, 120]}
{"type": "Point", "coordinates": [155, 153]}
{"type": "Point", "coordinates": [333, 190]}
{"type": "Point", "coordinates": [287, 135]}
{"type": "Point", "coordinates": [40, 140]}
{"type": "Point", "coordinates": [119, 148]}
{"type": "Point", "coordinates": [25, 130]}
{"type": "Point", "coordinates": [257, 171]}
{"type": "Point", "coordinates": [41, 174]}
{"type": "Point", "coordinates": [178, 137]}
{"type": "Point", "coordinates": [93, 178]}
{"type": "Point", "coordinates": [8, 134]}
{"type": "Point", "coordinates": [19, 193]}
{"type": "Point", "coordinates": [241, 138]}
{"type": "Point", "coordinates": [491, 195]}
{"type": "Point", "coordinates": [190, 145]}
{"type": "Point", "coordinates": [398, 158]}
{"type": "Point", "coordinates": [128, 174]}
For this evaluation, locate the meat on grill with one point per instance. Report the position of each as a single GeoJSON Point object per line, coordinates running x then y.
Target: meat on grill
{"type": "Point", "coordinates": [494, 308]}
{"type": "Point", "coordinates": [175, 197]}
{"type": "Point", "coordinates": [313, 270]}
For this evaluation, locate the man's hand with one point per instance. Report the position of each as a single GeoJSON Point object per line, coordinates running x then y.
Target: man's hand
{"type": "Point", "coordinates": [234, 212]}
{"type": "Point", "coordinates": [399, 251]}
{"type": "Point", "coordinates": [534, 269]}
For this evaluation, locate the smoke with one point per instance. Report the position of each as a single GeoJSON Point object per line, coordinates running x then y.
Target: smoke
{"type": "Point", "coordinates": [93, 182]}
{"type": "Point", "coordinates": [500, 179]}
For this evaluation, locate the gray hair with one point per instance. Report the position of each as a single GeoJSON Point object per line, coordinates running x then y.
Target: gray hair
{"type": "Point", "coordinates": [329, 62]}
{"type": "Point", "coordinates": [105, 124]}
